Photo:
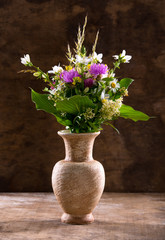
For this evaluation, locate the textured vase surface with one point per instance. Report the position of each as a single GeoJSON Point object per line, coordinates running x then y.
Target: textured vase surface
{"type": "Point", "coordinates": [78, 180]}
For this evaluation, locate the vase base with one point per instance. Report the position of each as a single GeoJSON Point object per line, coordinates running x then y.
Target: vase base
{"type": "Point", "coordinates": [77, 219]}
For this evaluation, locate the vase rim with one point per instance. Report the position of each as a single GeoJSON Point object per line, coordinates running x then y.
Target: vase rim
{"type": "Point", "coordinates": [67, 132]}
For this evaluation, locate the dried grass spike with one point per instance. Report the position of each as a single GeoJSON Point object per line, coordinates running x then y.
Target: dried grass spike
{"type": "Point", "coordinates": [95, 44]}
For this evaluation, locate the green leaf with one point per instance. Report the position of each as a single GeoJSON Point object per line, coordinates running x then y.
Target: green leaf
{"type": "Point", "coordinates": [42, 103]}
{"type": "Point", "coordinates": [129, 112]}
{"type": "Point", "coordinates": [75, 105]}
{"type": "Point", "coordinates": [83, 51]}
{"type": "Point", "coordinates": [125, 82]}
{"type": "Point", "coordinates": [93, 127]}
{"type": "Point", "coordinates": [64, 122]}
{"type": "Point", "coordinates": [106, 79]}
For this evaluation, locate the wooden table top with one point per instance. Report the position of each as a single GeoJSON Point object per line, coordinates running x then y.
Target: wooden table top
{"type": "Point", "coordinates": [118, 216]}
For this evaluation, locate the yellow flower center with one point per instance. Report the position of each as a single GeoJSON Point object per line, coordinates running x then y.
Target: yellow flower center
{"type": "Point", "coordinates": [68, 68]}
{"type": "Point", "coordinates": [76, 80]}
{"type": "Point", "coordinates": [104, 100]}
{"type": "Point", "coordinates": [113, 85]}
{"type": "Point", "coordinates": [88, 66]}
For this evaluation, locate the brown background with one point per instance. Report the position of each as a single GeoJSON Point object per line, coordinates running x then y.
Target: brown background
{"type": "Point", "coordinates": [29, 144]}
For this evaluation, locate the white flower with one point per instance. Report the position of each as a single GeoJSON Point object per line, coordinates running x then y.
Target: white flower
{"type": "Point", "coordinates": [26, 59]}
{"type": "Point", "coordinates": [56, 69]}
{"type": "Point", "coordinates": [98, 57]}
{"type": "Point", "coordinates": [53, 91]}
{"type": "Point", "coordinates": [104, 75]}
{"type": "Point", "coordinates": [84, 60]}
{"type": "Point", "coordinates": [114, 85]}
{"type": "Point", "coordinates": [112, 75]}
{"type": "Point", "coordinates": [88, 75]}
{"type": "Point", "coordinates": [124, 57]}
{"type": "Point", "coordinates": [116, 57]}
{"type": "Point", "coordinates": [71, 59]}
{"type": "Point", "coordinates": [103, 95]}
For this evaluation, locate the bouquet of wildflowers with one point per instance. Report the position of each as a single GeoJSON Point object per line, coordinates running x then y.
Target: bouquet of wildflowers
{"type": "Point", "coordinates": [86, 93]}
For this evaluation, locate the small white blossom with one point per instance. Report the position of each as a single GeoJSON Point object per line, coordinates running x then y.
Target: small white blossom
{"type": "Point", "coordinates": [116, 57]}
{"type": "Point", "coordinates": [56, 89]}
{"type": "Point", "coordinates": [89, 114]}
{"type": "Point", "coordinates": [53, 91]}
{"type": "Point", "coordinates": [114, 85]}
{"type": "Point", "coordinates": [26, 59]}
{"type": "Point", "coordinates": [112, 75]}
{"type": "Point", "coordinates": [98, 57]}
{"type": "Point", "coordinates": [84, 60]}
{"type": "Point", "coordinates": [110, 108]}
{"type": "Point", "coordinates": [103, 95]}
{"type": "Point", "coordinates": [71, 59]}
{"type": "Point", "coordinates": [56, 69]}
{"type": "Point", "coordinates": [104, 75]}
{"type": "Point", "coordinates": [124, 57]}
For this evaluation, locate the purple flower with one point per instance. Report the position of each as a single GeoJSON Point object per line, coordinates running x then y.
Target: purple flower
{"type": "Point", "coordinates": [68, 76]}
{"type": "Point", "coordinates": [88, 82]}
{"type": "Point", "coordinates": [97, 69]}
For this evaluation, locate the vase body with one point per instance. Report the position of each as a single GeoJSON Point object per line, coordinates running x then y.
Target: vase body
{"type": "Point", "coordinates": [78, 180]}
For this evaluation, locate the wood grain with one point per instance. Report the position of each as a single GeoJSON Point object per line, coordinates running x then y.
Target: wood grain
{"type": "Point", "coordinates": [34, 216]}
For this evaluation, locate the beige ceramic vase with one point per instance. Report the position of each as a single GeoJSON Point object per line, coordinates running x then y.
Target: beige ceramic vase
{"type": "Point", "coordinates": [78, 180]}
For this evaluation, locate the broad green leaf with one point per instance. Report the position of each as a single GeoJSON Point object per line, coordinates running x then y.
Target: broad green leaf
{"type": "Point", "coordinates": [129, 112]}
{"type": "Point", "coordinates": [74, 105]}
{"type": "Point", "coordinates": [64, 122]}
{"type": "Point", "coordinates": [42, 103]}
{"type": "Point", "coordinates": [125, 82]}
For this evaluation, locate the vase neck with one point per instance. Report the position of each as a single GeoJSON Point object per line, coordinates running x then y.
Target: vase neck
{"type": "Point", "coordinates": [78, 147]}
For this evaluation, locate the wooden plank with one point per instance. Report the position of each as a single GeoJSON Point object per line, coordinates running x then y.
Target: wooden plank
{"type": "Point", "coordinates": [118, 216]}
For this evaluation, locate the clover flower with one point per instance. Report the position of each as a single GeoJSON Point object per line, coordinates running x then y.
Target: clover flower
{"type": "Point", "coordinates": [88, 82]}
{"type": "Point", "coordinates": [56, 69]}
{"type": "Point", "coordinates": [98, 69]}
{"type": "Point", "coordinates": [26, 60]}
{"type": "Point", "coordinates": [124, 58]}
{"type": "Point", "coordinates": [68, 76]}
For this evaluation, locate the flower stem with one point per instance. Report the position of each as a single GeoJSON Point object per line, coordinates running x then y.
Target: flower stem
{"type": "Point", "coordinates": [44, 74]}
